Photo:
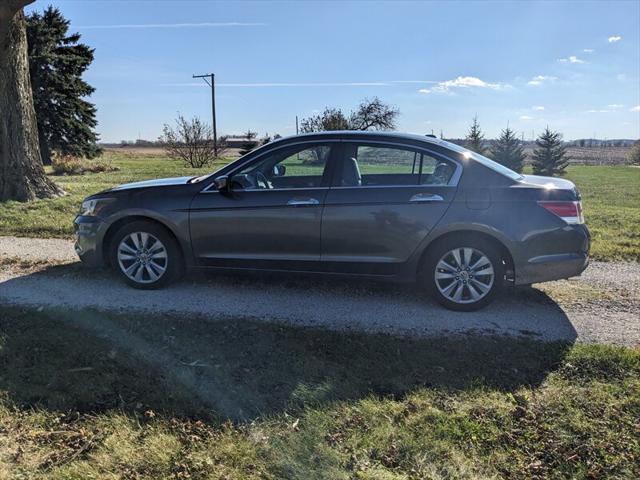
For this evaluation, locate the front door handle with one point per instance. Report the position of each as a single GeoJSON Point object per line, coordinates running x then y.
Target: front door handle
{"type": "Point", "coordinates": [426, 197]}
{"type": "Point", "coordinates": [302, 201]}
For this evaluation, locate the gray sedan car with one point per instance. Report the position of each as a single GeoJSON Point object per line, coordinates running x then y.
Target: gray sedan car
{"type": "Point", "coordinates": [382, 205]}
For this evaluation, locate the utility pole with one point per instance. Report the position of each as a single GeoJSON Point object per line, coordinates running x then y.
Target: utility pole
{"type": "Point", "coordinates": [210, 80]}
{"type": "Point", "coordinates": [296, 124]}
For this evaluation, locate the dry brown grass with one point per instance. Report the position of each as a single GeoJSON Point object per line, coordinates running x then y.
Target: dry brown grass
{"type": "Point", "coordinates": [70, 165]}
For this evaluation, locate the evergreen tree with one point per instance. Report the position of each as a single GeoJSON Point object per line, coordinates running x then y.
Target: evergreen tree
{"type": "Point", "coordinates": [508, 150]}
{"type": "Point", "coordinates": [550, 158]}
{"type": "Point", "coordinates": [66, 120]}
{"type": "Point", "coordinates": [475, 138]}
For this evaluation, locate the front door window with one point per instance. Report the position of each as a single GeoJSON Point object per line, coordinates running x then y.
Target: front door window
{"type": "Point", "coordinates": [294, 167]}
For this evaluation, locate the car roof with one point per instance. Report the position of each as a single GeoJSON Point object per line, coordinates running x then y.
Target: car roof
{"type": "Point", "coordinates": [360, 134]}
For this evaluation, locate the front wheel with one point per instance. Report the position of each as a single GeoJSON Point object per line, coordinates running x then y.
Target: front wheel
{"type": "Point", "coordinates": [145, 255]}
{"type": "Point", "coordinates": [464, 275]}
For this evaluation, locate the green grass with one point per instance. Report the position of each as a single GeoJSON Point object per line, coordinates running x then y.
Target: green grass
{"type": "Point", "coordinates": [611, 197]}
{"type": "Point", "coordinates": [81, 397]}
{"type": "Point", "coordinates": [611, 201]}
{"type": "Point", "coordinates": [54, 218]}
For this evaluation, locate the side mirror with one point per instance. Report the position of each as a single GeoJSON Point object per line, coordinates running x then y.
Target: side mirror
{"type": "Point", "coordinates": [222, 183]}
{"type": "Point", "coordinates": [279, 170]}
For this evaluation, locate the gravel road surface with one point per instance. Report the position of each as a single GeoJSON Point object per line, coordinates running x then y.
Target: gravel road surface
{"type": "Point", "coordinates": [602, 306]}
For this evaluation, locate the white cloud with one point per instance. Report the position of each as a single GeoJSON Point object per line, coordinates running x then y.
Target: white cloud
{"type": "Point", "coordinates": [571, 59]}
{"type": "Point", "coordinates": [615, 38]}
{"type": "Point", "coordinates": [635, 109]}
{"type": "Point", "coordinates": [461, 82]}
{"type": "Point", "coordinates": [526, 117]}
{"type": "Point", "coordinates": [615, 105]}
{"type": "Point", "coordinates": [540, 79]}
{"type": "Point", "coordinates": [598, 111]}
{"type": "Point", "coordinates": [171, 25]}
{"type": "Point", "coordinates": [538, 108]}
{"type": "Point", "coordinates": [588, 50]}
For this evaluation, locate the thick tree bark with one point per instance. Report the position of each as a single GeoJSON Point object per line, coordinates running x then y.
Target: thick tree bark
{"type": "Point", "coordinates": [45, 152]}
{"type": "Point", "coordinates": [22, 176]}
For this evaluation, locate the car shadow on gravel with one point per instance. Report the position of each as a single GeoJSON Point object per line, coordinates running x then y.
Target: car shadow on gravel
{"type": "Point", "coordinates": [337, 303]}
{"type": "Point", "coordinates": [89, 361]}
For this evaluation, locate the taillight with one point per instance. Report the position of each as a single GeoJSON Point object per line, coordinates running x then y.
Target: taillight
{"type": "Point", "coordinates": [570, 212]}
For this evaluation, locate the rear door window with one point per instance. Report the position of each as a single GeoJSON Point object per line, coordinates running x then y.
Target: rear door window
{"type": "Point", "coordinates": [366, 165]}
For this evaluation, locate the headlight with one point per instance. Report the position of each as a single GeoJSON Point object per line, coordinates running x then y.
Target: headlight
{"type": "Point", "coordinates": [91, 208]}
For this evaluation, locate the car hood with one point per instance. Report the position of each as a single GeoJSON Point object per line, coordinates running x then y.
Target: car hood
{"type": "Point", "coordinates": [160, 182]}
{"type": "Point", "coordinates": [548, 182]}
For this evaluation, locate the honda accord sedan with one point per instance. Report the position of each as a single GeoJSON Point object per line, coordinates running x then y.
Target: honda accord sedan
{"type": "Point", "coordinates": [382, 205]}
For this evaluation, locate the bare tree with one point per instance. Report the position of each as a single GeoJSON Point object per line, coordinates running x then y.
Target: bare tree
{"type": "Point", "coordinates": [190, 141]}
{"type": "Point", "coordinates": [22, 176]}
{"type": "Point", "coordinates": [330, 119]}
{"type": "Point", "coordinates": [372, 114]}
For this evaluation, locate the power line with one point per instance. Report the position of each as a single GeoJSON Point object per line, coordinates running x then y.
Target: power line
{"type": "Point", "coordinates": [210, 80]}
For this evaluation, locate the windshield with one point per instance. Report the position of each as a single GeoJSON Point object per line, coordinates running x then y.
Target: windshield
{"type": "Point", "coordinates": [487, 162]}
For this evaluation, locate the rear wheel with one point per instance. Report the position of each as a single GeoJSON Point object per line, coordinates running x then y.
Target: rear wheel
{"type": "Point", "coordinates": [464, 275]}
{"type": "Point", "coordinates": [145, 255]}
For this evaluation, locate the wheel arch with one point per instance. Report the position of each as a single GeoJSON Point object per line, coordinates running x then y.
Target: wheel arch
{"type": "Point", "coordinates": [452, 235]}
{"type": "Point", "coordinates": [121, 222]}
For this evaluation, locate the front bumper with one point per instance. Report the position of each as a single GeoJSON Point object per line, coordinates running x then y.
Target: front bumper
{"type": "Point", "coordinates": [88, 245]}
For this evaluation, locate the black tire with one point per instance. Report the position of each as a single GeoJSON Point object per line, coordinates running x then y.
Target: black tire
{"type": "Point", "coordinates": [174, 263]}
{"type": "Point", "coordinates": [467, 302]}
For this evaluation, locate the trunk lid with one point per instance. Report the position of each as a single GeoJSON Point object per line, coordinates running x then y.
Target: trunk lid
{"type": "Point", "coordinates": [553, 187]}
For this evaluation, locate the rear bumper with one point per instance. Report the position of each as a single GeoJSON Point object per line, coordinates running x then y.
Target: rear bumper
{"type": "Point", "coordinates": [88, 244]}
{"type": "Point", "coordinates": [563, 253]}
{"type": "Point", "coordinates": [552, 267]}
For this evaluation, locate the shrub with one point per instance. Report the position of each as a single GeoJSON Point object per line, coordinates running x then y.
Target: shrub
{"type": "Point", "coordinates": [70, 165]}
{"type": "Point", "coordinates": [634, 154]}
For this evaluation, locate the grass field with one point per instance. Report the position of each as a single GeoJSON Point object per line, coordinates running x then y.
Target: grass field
{"type": "Point", "coordinates": [611, 197]}
{"type": "Point", "coordinates": [76, 403]}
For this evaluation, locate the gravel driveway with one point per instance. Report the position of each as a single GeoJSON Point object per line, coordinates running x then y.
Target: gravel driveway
{"type": "Point", "coordinates": [602, 306]}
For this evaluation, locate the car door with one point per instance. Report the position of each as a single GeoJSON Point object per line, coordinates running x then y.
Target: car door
{"type": "Point", "coordinates": [384, 200]}
{"type": "Point", "coordinates": [271, 216]}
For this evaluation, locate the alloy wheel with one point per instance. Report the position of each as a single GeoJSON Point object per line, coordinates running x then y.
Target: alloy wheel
{"type": "Point", "coordinates": [464, 275]}
{"type": "Point", "coordinates": [142, 257]}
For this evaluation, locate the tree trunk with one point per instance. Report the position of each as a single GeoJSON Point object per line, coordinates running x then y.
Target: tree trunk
{"type": "Point", "coordinates": [22, 176]}
{"type": "Point", "coordinates": [45, 152]}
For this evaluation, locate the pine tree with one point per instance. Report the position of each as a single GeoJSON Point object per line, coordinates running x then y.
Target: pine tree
{"type": "Point", "coordinates": [475, 138]}
{"type": "Point", "coordinates": [550, 158]}
{"type": "Point", "coordinates": [66, 120]}
{"type": "Point", "coordinates": [508, 150]}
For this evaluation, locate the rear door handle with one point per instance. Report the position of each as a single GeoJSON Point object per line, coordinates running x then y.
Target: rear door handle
{"type": "Point", "coordinates": [426, 197]}
{"type": "Point", "coordinates": [301, 202]}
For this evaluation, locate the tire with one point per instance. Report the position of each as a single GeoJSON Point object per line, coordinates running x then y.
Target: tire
{"type": "Point", "coordinates": [463, 285]}
{"type": "Point", "coordinates": [154, 250]}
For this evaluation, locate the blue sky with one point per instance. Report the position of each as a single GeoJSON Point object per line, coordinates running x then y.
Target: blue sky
{"type": "Point", "coordinates": [574, 66]}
